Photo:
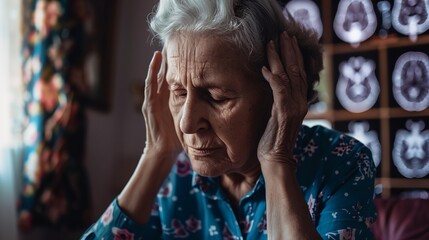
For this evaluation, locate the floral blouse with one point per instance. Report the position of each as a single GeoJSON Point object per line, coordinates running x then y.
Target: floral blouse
{"type": "Point", "coordinates": [335, 172]}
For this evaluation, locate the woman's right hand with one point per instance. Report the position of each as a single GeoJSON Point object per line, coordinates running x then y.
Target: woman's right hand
{"type": "Point", "coordinates": [161, 138]}
{"type": "Point", "coordinates": [160, 153]}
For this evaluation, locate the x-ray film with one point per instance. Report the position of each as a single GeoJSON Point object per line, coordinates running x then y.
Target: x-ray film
{"type": "Point", "coordinates": [411, 150]}
{"type": "Point", "coordinates": [355, 21]}
{"type": "Point", "coordinates": [357, 87]}
{"type": "Point", "coordinates": [307, 13]}
{"type": "Point", "coordinates": [410, 81]}
{"type": "Point", "coordinates": [410, 17]}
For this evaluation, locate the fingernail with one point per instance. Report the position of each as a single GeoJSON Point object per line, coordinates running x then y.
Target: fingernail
{"type": "Point", "coordinates": [265, 71]}
{"type": "Point", "coordinates": [295, 40]}
{"type": "Point", "coordinates": [272, 44]}
{"type": "Point", "coordinates": [285, 35]}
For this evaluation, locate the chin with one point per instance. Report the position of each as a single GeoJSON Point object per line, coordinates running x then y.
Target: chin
{"type": "Point", "coordinates": [208, 169]}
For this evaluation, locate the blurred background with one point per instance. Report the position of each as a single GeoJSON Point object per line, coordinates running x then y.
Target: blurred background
{"type": "Point", "coordinates": [71, 85]}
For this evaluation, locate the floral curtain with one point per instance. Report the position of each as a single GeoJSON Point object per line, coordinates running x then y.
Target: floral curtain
{"type": "Point", "coordinates": [55, 187]}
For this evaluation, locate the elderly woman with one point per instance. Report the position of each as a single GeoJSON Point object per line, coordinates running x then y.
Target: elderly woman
{"type": "Point", "coordinates": [227, 156]}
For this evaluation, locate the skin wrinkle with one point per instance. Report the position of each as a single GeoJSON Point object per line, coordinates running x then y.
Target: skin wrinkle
{"type": "Point", "coordinates": [200, 121]}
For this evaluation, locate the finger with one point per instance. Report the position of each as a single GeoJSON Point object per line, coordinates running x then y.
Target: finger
{"type": "Point", "coordinates": [279, 90]}
{"type": "Point", "coordinates": [151, 79]}
{"type": "Point", "coordinates": [163, 68]}
{"type": "Point", "coordinates": [300, 62]}
{"type": "Point", "coordinates": [298, 55]}
{"type": "Point", "coordinates": [275, 64]}
{"type": "Point", "coordinates": [276, 76]}
{"type": "Point", "coordinates": [289, 58]}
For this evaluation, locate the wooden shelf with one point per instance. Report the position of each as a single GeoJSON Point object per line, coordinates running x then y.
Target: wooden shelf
{"type": "Point", "coordinates": [375, 113]}
{"type": "Point", "coordinates": [392, 41]}
{"type": "Point", "coordinates": [403, 183]}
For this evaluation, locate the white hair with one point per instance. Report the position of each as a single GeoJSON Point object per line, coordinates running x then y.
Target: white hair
{"type": "Point", "coordinates": [247, 24]}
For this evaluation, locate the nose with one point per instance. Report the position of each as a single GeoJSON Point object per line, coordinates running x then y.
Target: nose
{"type": "Point", "coordinates": [194, 116]}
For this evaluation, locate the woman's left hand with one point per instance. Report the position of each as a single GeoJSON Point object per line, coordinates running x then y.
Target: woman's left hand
{"type": "Point", "coordinates": [288, 82]}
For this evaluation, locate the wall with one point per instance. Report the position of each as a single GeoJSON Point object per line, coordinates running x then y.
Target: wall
{"type": "Point", "coordinates": [116, 139]}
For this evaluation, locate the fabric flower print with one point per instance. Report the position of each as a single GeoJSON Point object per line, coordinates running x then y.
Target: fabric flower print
{"type": "Point", "coordinates": [46, 16]}
{"type": "Point", "coordinates": [155, 209]}
{"type": "Point", "coordinates": [107, 216]}
{"type": "Point", "coordinates": [165, 190]}
{"type": "Point", "coordinates": [262, 225]}
{"type": "Point", "coordinates": [179, 229]}
{"type": "Point", "coordinates": [122, 234]}
{"type": "Point", "coordinates": [365, 168]}
{"type": "Point", "coordinates": [31, 134]}
{"type": "Point", "coordinates": [347, 234]}
{"type": "Point", "coordinates": [369, 221]}
{"type": "Point", "coordinates": [310, 149]}
{"type": "Point", "coordinates": [246, 225]}
{"type": "Point", "coordinates": [183, 166]}
{"type": "Point", "coordinates": [313, 206]}
{"type": "Point", "coordinates": [49, 92]}
{"type": "Point", "coordinates": [227, 235]}
{"type": "Point", "coordinates": [213, 231]}
{"type": "Point", "coordinates": [343, 147]}
{"type": "Point", "coordinates": [193, 224]}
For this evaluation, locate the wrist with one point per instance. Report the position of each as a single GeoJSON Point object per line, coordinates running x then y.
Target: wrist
{"type": "Point", "coordinates": [278, 171]}
{"type": "Point", "coordinates": [158, 161]}
{"type": "Point", "coordinates": [275, 162]}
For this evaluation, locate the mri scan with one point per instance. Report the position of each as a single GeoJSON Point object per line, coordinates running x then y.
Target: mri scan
{"type": "Point", "coordinates": [357, 88]}
{"type": "Point", "coordinates": [355, 21]}
{"type": "Point", "coordinates": [307, 13]}
{"type": "Point", "coordinates": [360, 131]}
{"type": "Point", "coordinates": [410, 17]}
{"type": "Point", "coordinates": [410, 81]}
{"type": "Point", "coordinates": [411, 150]}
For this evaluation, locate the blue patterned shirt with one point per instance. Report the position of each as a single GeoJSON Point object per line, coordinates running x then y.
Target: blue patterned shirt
{"type": "Point", "coordinates": [335, 172]}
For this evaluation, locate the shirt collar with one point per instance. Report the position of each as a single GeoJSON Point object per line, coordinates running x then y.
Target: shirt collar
{"type": "Point", "coordinates": [210, 186]}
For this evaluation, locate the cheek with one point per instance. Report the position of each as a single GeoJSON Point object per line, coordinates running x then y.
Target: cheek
{"type": "Point", "coordinates": [176, 113]}
{"type": "Point", "coordinates": [237, 128]}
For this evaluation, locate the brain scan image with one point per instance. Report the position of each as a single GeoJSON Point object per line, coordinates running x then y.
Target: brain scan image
{"type": "Point", "coordinates": [411, 150]}
{"type": "Point", "coordinates": [307, 13]}
{"type": "Point", "coordinates": [410, 81]}
{"type": "Point", "coordinates": [357, 87]}
{"type": "Point", "coordinates": [410, 17]}
{"type": "Point", "coordinates": [355, 21]}
{"type": "Point", "coordinates": [360, 131]}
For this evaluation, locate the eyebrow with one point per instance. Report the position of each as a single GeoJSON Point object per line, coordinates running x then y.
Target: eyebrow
{"type": "Point", "coordinates": [175, 85]}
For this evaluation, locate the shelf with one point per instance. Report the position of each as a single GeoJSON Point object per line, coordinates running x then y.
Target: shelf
{"type": "Point", "coordinates": [392, 41]}
{"type": "Point", "coordinates": [403, 183]}
{"type": "Point", "coordinates": [376, 113]}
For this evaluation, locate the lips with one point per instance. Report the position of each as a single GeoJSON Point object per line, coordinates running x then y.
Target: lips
{"type": "Point", "coordinates": [198, 151]}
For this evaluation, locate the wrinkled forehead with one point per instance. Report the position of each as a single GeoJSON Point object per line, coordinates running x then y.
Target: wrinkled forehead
{"type": "Point", "coordinates": [205, 57]}
{"type": "Point", "coordinates": [202, 49]}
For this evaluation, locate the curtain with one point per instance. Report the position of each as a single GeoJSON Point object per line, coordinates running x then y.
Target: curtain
{"type": "Point", "coordinates": [55, 187]}
{"type": "Point", "coordinates": [10, 115]}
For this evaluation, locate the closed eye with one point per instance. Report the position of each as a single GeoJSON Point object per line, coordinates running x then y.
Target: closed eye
{"type": "Point", "coordinates": [214, 96]}
{"type": "Point", "coordinates": [218, 99]}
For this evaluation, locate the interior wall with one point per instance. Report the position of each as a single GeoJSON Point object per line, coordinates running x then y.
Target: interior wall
{"type": "Point", "coordinates": [116, 139]}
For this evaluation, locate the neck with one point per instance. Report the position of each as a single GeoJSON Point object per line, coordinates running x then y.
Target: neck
{"type": "Point", "coordinates": [237, 184]}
